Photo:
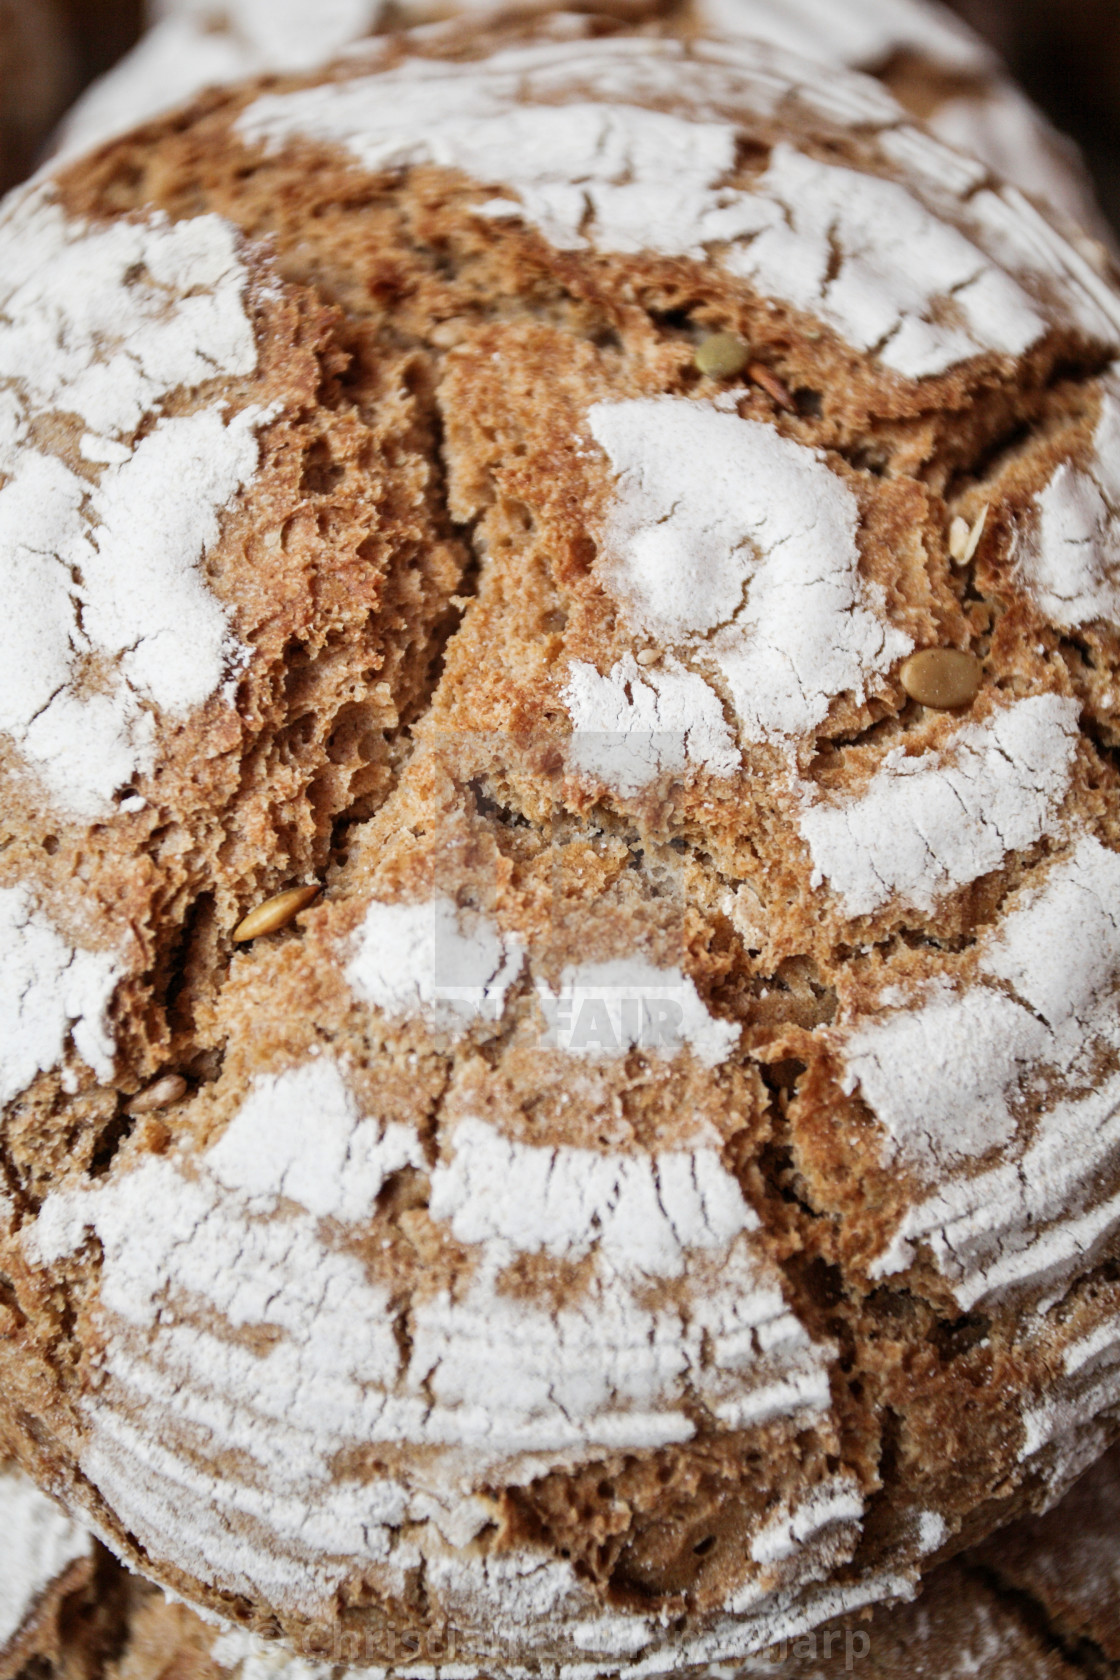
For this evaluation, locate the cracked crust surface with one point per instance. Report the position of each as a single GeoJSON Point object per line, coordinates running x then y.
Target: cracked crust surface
{"type": "Point", "coordinates": [1027, 1605]}
{"type": "Point", "coordinates": [663, 1194]}
{"type": "Point", "coordinates": [932, 63]}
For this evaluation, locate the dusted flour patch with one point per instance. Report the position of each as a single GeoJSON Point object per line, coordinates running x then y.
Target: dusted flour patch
{"type": "Point", "coordinates": [252, 1658]}
{"type": "Point", "coordinates": [488, 1376]}
{"type": "Point", "coordinates": [501, 1593]}
{"type": "Point", "coordinates": [177, 1395]}
{"type": "Point", "coordinates": [718, 524]}
{"type": "Point", "coordinates": [864, 33]}
{"type": "Point", "coordinates": [837, 1503]}
{"type": "Point", "coordinates": [561, 160]}
{"type": "Point", "coordinates": [1062, 1435]}
{"type": "Point", "coordinates": [1000, 126]}
{"type": "Point", "coordinates": [635, 724]}
{"type": "Point", "coordinates": [642, 1211]}
{"type": "Point", "coordinates": [189, 45]}
{"type": "Point", "coordinates": [299, 1136]}
{"type": "Point", "coordinates": [939, 1075]}
{"type": "Point", "coordinates": [608, 166]}
{"type": "Point", "coordinates": [676, 1215]}
{"type": "Point", "coordinates": [49, 993]}
{"type": "Point", "coordinates": [1011, 1227]}
{"type": "Point", "coordinates": [928, 824]}
{"type": "Point", "coordinates": [602, 1009]}
{"type": "Point", "coordinates": [1071, 561]}
{"type": "Point", "coordinates": [194, 44]}
{"type": "Point", "coordinates": [494, 1597]}
{"type": "Point", "coordinates": [948, 1079]}
{"type": "Point", "coordinates": [105, 321]}
{"type": "Point", "coordinates": [110, 622]}
{"type": "Point", "coordinates": [38, 1542]}
{"type": "Point", "coordinates": [448, 965]}
{"type": "Point", "coordinates": [868, 257]}
{"type": "Point", "coordinates": [282, 32]}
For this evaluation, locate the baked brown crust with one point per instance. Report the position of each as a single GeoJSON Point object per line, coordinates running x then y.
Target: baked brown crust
{"type": "Point", "coordinates": [941, 72]}
{"type": "Point", "coordinates": [549, 1242]}
{"type": "Point", "coordinates": [992, 1611]}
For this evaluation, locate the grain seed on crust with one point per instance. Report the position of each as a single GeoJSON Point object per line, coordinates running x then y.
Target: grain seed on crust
{"type": "Point", "coordinates": [943, 678]}
{"type": "Point", "coordinates": [721, 355]}
{"type": "Point", "coordinates": [163, 1092]}
{"type": "Point", "coordinates": [768, 381]}
{"type": "Point", "coordinates": [275, 913]}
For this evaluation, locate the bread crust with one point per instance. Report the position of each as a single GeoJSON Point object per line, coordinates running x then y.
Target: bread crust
{"type": "Point", "coordinates": [942, 73]}
{"type": "Point", "coordinates": [1020, 1607]}
{"type": "Point", "coordinates": [661, 1194]}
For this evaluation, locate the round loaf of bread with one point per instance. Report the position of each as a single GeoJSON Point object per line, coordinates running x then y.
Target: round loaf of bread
{"type": "Point", "coordinates": [937, 68]}
{"type": "Point", "coordinates": [560, 866]}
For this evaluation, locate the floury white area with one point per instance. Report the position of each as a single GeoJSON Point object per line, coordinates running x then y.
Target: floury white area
{"type": "Point", "coordinates": [194, 44]}
{"type": "Point", "coordinates": [107, 324]}
{"type": "Point", "coordinates": [490, 1379]}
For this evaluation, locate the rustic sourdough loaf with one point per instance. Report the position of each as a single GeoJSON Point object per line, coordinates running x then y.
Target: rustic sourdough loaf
{"type": "Point", "coordinates": [634, 522]}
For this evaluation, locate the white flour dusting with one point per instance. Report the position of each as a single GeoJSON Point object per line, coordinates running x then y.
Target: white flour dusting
{"type": "Point", "coordinates": [106, 321]}
{"type": "Point", "coordinates": [193, 44]}
{"type": "Point", "coordinates": [1088, 1387]}
{"type": "Point", "coordinates": [939, 1074]}
{"type": "Point", "coordinates": [286, 34]}
{"type": "Point", "coordinates": [606, 167]}
{"type": "Point", "coordinates": [999, 125]}
{"type": "Point", "coordinates": [928, 824]}
{"type": "Point", "coordinates": [865, 255]}
{"type": "Point", "coordinates": [949, 1078]}
{"type": "Point", "coordinates": [38, 1542]}
{"type": "Point", "coordinates": [650, 178]}
{"type": "Point", "coordinates": [448, 965]}
{"type": "Point", "coordinates": [1071, 560]}
{"type": "Point", "coordinates": [836, 1502]}
{"type": "Point", "coordinates": [642, 1211]}
{"type": "Point", "coordinates": [862, 33]}
{"type": "Point", "coordinates": [602, 1009]}
{"type": "Point", "coordinates": [635, 725]}
{"type": "Point", "coordinates": [726, 537]}
{"type": "Point", "coordinates": [110, 621]}
{"type": "Point", "coordinates": [49, 992]}
{"type": "Point", "coordinates": [489, 1376]}
{"type": "Point", "coordinates": [299, 1136]}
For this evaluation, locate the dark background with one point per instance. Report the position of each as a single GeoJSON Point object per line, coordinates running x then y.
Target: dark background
{"type": "Point", "coordinates": [1066, 54]}
{"type": "Point", "coordinates": [101, 31]}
